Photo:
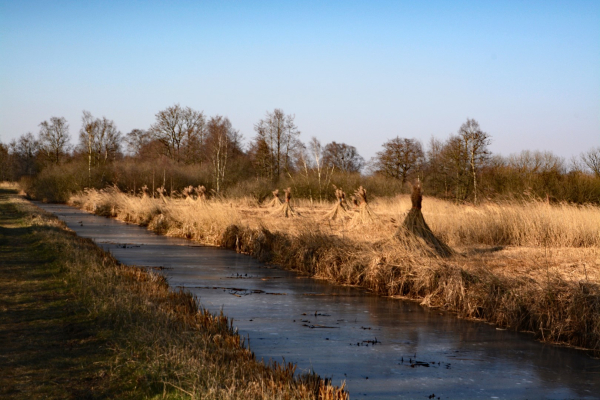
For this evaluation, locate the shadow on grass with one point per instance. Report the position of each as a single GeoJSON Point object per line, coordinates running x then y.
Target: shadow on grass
{"type": "Point", "coordinates": [49, 346]}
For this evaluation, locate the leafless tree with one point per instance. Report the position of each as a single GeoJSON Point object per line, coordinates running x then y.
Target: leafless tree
{"type": "Point", "coordinates": [54, 138]}
{"type": "Point", "coordinates": [455, 166]}
{"type": "Point", "coordinates": [591, 159]}
{"type": "Point", "coordinates": [100, 137]}
{"type": "Point", "coordinates": [529, 164]}
{"type": "Point", "coordinates": [277, 142]}
{"type": "Point", "coordinates": [136, 140]}
{"type": "Point", "coordinates": [312, 162]}
{"type": "Point", "coordinates": [399, 157]}
{"type": "Point", "coordinates": [435, 172]}
{"type": "Point", "coordinates": [178, 129]}
{"type": "Point", "coordinates": [343, 157]}
{"type": "Point", "coordinates": [24, 152]}
{"type": "Point", "coordinates": [222, 143]}
{"type": "Point", "coordinates": [475, 143]}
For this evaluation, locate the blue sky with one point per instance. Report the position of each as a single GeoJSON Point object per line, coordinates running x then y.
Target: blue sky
{"type": "Point", "coordinates": [359, 72]}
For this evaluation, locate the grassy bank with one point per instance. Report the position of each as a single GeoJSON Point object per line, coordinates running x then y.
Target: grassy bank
{"type": "Point", "coordinates": [524, 266]}
{"type": "Point", "coordinates": [75, 324]}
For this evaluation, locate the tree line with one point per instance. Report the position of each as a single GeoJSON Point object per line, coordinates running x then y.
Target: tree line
{"type": "Point", "coordinates": [184, 146]}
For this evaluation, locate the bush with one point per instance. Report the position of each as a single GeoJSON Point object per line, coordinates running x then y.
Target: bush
{"type": "Point", "coordinates": [56, 183]}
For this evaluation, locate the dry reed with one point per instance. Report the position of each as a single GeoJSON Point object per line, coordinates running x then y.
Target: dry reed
{"type": "Point", "coordinates": [548, 285]}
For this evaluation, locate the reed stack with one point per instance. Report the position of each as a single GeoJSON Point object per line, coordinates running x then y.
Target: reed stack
{"type": "Point", "coordinates": [276, 201]}
{"type": "Point", "coordinates": [340, 209]}
{"type": "Point", "coordinates": [414, 224]}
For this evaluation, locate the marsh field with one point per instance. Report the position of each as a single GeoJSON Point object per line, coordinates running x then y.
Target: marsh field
{"type": "Point", "coordinates": [528, 266]}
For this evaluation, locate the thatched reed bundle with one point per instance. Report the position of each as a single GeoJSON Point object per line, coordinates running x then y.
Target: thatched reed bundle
{"type": "Point", "coordinates": [286, 208]}
{"type": "Point", "coordinates": [414, 224]}
{"type": "Point", "coordinates": [201, 192]}
{"type": "Point", "coordinates": [276, 202]}
{"type": "Point", "coordinates": [365, 214]}
{"type": "Point", "coordinates": [161, 193]}
{"type": "Point", "coordinates": [188, 192]}
{"type": "Point", "coordinates": [340, 210]}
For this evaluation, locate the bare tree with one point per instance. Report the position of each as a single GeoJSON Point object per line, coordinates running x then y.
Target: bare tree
{"type": "Point", "coordinates": [277, 136]}
{"type": "Point", "coordinates": [435, 173]}
{"type": "Point", "coordinates": [592, 160]}
{"type": "Point", "coordinates": [222, 143]}
{"type": "Point", "coordinates": [54, 138]}
{"type": "Point", "coordinates": [343, 157]}
{"type": "Point", "coordinates": [136, 140]}
{"type": "Point", "coordinates": [534, 162]}
{"type": "Point", "coordinates": [399, 158]}
{"type": "Point", "coordinates": [475, 143]}
{"type": "Point", "coordinates": [178, 129]}
{"type": "Point", "coordinates": [313, 160]}
{"type": "Point", "coordinates": [24, 154]}
{"type": "Point", "coordinates": [454, 166]}
{"type": "Point", "coordinates": [100, 137]}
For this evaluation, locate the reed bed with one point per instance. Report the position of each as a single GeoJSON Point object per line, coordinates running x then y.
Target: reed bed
{"type": "Point", "coordinates": [524, 266]}
{"type": "Point", "coordinates": [533, 223]}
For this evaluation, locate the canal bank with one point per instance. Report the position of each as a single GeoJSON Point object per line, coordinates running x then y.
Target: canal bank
{"type": "Point", "coordinates": [381, 347]}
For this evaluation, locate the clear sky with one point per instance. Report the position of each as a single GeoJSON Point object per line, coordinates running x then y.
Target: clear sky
{"type": "Point", "coordinates": [359, 72]}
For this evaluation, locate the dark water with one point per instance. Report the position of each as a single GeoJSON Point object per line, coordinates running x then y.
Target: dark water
{"type": "Point", "coordinates": [382, 348]}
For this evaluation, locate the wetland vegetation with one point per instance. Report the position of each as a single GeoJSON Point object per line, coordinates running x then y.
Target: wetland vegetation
{"type": "Point", "coordinates": [76, 324]}
{"type": "Point", "coordinates": [528, 266]}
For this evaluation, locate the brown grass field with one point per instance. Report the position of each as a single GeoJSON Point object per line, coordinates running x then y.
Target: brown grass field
{"type": "Point", "coordinates": [527, 266]}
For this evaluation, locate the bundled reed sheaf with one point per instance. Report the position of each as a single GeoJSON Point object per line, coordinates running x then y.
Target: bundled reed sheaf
{"type": "Point", "coordinates": [365, 215]}
{"type": "Point", "coordinates": [286, 208]}
{"type": "Point", "coordinates": [276, 202]}
{"type": "Point", "coordinates": [340, 209]}
{"type": "Point", "coordinates": [161, 193]}
{"type": "Point", "coordinates": [187, 193]}
{"type": "Point", "coordinates": [201, 192]}
{"type": "Point", "coordinates": [144, 191]}
{"type": "Point", "coordinates": [414, 224]}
